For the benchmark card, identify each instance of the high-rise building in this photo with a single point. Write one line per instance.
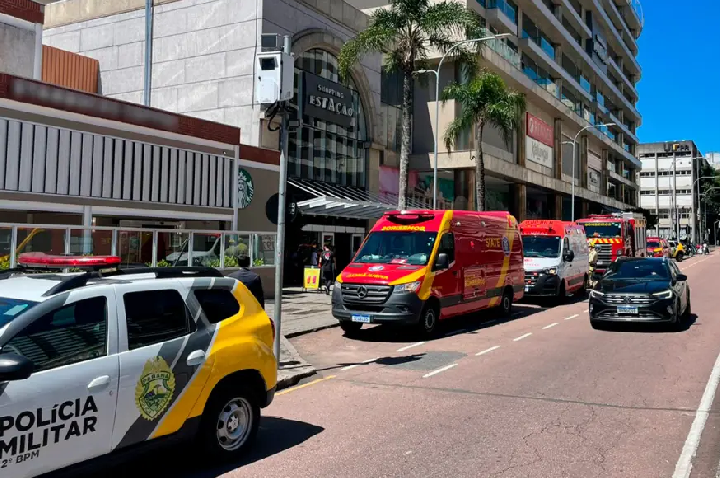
(575, 60)
(669, 187)
(713, 159)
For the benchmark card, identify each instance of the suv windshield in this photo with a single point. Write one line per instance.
(541, 246)
(639, 270)
(412, 248)
(11, 308)
(604, 229)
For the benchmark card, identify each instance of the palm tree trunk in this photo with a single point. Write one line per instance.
(405, 144)
(479, 169)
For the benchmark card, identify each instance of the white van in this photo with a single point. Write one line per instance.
(556, 258)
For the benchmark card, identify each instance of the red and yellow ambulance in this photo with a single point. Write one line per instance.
(419, 267)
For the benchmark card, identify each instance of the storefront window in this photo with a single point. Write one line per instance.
(322, 149)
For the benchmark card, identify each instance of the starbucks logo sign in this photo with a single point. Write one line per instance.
(246, 189)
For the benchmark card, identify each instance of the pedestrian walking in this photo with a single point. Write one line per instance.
(327, 267)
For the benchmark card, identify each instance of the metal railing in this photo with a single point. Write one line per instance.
(140, 247)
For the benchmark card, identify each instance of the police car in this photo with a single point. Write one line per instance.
(100, 361)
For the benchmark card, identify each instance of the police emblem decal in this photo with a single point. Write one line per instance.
(154, 390)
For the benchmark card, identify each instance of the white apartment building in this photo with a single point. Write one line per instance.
(576, 63)
(669, 187)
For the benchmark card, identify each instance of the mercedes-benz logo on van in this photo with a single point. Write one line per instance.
(362, 292)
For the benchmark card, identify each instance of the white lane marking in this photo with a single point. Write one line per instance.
(457, 332)
(361, 363)
(522, 337)
(571, 317)
(696, 263)
(684, 463)
(403, 349)
(586, 310)
(447, 367)
(550, 326)
(487, 350)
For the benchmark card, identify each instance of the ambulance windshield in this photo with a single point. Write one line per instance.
(11, 308)
(410, 248)
(541, 246)
(603, 229)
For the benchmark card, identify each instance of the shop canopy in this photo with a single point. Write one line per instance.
(324, 199)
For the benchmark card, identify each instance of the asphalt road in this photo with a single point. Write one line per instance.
(542, 395)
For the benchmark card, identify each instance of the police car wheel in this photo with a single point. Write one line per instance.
(230, 423)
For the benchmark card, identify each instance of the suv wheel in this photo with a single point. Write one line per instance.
(229, 423)
(688, 309)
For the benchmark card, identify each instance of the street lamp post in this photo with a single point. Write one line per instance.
(437, 102)
(574, 145)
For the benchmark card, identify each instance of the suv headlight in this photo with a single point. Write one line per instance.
(666, 294)
(596, 294)
(409, 287)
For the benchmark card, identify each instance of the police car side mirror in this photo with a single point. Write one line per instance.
(442, 262)
(15, 367)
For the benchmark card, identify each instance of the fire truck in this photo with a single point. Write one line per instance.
(619, 234)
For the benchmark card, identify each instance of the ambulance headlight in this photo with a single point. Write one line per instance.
(551, 272)
(409, 287)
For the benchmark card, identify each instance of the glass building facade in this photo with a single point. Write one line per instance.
(320, 150)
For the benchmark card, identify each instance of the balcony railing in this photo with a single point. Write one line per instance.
(505, 7)
(140, 247)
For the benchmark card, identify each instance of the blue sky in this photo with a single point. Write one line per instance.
(680, 60)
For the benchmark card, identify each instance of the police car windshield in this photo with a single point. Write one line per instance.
(410, 248)
(640, 270)
(11, 308)
(606, 230)
(541, 246)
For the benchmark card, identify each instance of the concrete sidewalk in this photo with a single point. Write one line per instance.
(302, 313)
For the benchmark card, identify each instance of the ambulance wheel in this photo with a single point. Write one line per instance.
(350, 328)
(506, 303)
(229, 423)
(428, 324)
(583, 290)
(561, 292)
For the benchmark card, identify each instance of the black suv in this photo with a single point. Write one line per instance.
(637, 289)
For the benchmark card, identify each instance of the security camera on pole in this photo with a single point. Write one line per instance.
(274, 87)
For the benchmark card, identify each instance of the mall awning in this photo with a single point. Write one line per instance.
(324, 199)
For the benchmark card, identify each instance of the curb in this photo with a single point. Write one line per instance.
(294, 379)
(309, 331)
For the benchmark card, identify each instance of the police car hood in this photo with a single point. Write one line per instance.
(538, 263)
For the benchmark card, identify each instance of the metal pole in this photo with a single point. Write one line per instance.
(280, 239)
(437, 132)
(572, 199)
(148, 51)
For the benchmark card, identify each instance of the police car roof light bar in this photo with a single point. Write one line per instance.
(40, 260)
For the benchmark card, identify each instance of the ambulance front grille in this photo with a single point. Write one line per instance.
(365, 294)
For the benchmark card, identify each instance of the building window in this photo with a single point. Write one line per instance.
(508, 7)
(322, 150)
(538, 75)
(531, 31)
(573, 33)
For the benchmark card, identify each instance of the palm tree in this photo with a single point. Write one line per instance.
(405, 33)
(484, 100)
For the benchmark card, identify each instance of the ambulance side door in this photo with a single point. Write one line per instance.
(63, 413)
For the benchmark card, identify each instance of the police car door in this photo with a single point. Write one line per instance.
(160, 353)
(63, 412)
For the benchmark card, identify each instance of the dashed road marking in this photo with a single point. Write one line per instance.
(403, 349)
(684, 463)
(495, 347)
(314, 382)
(361, 363)
(457, 332)
(442, 369)
(550, 326)
(571, 317)
(586, 310)
(522, 337)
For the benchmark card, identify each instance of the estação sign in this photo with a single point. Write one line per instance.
(327, 101)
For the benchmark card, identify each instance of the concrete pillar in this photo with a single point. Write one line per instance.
(584, 208)
(604, 176)
(87, 233)
(558, 148)
(558, 213)
(582, 166)
(522, 132)
(521, 201)
(37, 61)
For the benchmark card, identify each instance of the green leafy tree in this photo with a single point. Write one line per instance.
(406, 33)
(484, 100)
